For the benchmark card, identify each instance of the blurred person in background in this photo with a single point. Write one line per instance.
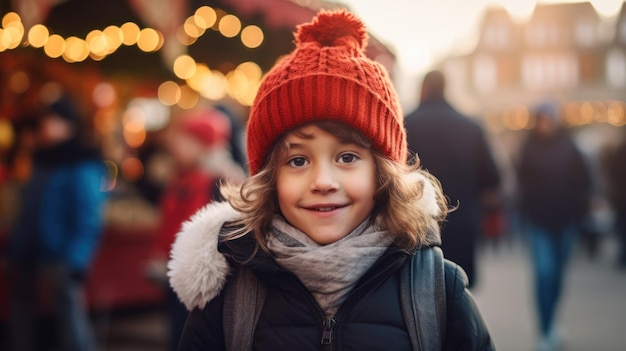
(237, 143)
(615, 169)
(199, 148)
(554, 189)
(454, 149)
(57, 233)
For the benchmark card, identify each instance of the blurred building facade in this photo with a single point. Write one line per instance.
(562, 51)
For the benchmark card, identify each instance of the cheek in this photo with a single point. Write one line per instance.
(284, 190)
(362, 187)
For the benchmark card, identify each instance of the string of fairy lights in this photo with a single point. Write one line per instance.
(200, 81)
(196, 79)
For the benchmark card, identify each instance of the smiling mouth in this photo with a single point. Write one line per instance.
(325, 208)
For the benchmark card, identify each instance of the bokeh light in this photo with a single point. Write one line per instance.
(38, 35)
(205, 17)
(252, 37)
(229, 26)
(130, 33)
(184, 67)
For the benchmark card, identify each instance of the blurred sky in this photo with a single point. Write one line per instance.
(422, 31)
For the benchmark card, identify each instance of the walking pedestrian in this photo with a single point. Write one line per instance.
(554, 190)
(454, 149)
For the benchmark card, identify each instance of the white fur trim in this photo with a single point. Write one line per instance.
(428, 202)
(197, 271)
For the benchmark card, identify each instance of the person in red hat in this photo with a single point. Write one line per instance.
(199, 137)
(332, 243)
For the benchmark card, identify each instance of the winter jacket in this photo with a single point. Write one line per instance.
(369, 319)
(555, 183)
(183, 197)
(62, 216)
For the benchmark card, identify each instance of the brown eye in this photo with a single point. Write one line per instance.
(348, 158)
(298, 162)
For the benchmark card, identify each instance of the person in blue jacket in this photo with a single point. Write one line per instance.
(57, 232)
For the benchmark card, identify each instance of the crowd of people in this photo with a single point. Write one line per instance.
(309, 234)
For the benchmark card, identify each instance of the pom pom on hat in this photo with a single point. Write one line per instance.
(327, 77)
(328, 28)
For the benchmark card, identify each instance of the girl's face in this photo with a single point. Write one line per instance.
(325, 187)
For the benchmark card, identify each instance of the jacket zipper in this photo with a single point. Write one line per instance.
(329, 323)
(327, 335)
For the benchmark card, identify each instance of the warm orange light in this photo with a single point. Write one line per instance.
(132, 169)
(169, 93)
(19, 82)
(76, 50)
(205, 17)
(114, 37)
(54, 46)
(38, 35)
(192, 29)
(188, 98)
(148, 40)
(130, 33)
(184, 67)
(229, 26)
(9, 18)
(252, 36)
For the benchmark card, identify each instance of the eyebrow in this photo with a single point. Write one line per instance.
(292, 146)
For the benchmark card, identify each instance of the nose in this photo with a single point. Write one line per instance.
(323, 179)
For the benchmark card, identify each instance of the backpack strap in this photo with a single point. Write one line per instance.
(243, 302)
(423, 299)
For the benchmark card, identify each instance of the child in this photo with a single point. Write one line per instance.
(199, 135)
(328, 220)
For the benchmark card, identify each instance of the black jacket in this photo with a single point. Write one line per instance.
(454, 149)
(555, 183)
(369, 319)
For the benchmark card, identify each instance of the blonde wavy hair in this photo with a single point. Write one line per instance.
(395, 208)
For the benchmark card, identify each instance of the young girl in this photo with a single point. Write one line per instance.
(327, 221)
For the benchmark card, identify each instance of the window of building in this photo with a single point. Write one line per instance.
(485, 74)
(550, 71)
(536, 35)
(532, 72)
(497, 35)
(616, 68)
(585, 34)
(554, 35)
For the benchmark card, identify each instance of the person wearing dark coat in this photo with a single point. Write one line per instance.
(57, 232)
(555, 189)
(454, 149)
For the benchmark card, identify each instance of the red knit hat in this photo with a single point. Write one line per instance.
(211, 127)
(327, 77)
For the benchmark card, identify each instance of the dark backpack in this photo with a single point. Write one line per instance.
(422, 294)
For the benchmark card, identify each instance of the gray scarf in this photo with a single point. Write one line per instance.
(328, 271)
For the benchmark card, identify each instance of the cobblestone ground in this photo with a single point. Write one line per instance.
(593, 309)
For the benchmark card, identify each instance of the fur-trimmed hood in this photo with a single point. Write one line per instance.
(198, 271)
